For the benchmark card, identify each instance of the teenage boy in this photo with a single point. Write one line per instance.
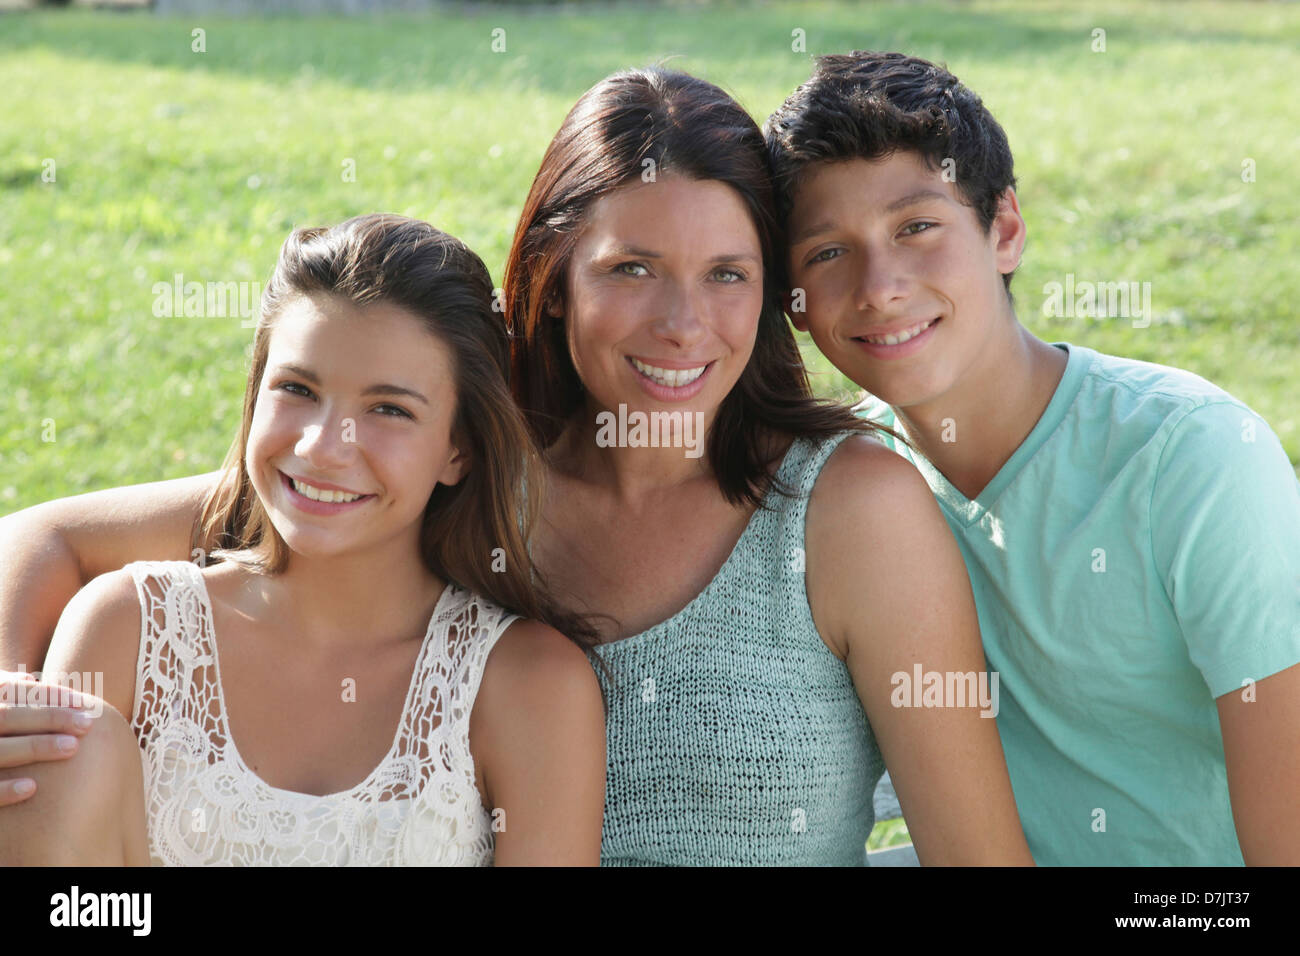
(1132, 532)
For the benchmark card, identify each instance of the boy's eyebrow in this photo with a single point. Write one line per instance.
(381, 389)
(911, 199)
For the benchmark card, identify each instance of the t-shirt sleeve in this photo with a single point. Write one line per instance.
(1225, 535)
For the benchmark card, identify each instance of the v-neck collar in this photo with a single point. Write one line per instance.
(968, 510)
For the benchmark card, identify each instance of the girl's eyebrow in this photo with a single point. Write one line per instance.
(380, 389)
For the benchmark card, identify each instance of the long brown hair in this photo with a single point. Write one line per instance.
(473, 533)
(690, 128)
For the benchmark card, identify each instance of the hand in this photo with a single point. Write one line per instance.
(38, 722)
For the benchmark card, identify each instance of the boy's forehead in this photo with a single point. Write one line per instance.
(881, 185)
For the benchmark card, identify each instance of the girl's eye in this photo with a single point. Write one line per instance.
(826, 255)
(915, 228)
(623, 266)
(294, 388)
(394, 411)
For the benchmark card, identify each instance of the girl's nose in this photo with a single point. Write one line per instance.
(327, 444)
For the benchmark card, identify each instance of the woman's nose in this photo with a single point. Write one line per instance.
(681, 317)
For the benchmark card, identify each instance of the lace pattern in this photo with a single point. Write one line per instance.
(419, 806)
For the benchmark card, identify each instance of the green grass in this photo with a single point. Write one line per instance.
(170, 161)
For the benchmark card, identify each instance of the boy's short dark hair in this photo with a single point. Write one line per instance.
(867, 105)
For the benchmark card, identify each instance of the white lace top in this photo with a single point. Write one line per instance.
(420, 806)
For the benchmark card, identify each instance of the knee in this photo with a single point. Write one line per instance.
(75, 817)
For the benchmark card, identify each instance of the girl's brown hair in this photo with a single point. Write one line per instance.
(691, 128)
(474, 533)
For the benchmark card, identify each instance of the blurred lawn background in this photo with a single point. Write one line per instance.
(172, 161)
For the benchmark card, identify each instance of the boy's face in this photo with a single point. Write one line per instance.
(888, 248)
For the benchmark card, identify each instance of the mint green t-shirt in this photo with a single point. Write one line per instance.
(1135, 558)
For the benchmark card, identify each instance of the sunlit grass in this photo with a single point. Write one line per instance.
(169, 161)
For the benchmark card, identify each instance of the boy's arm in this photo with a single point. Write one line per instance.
(1261, 743)
(1225, 527)
(49, 551)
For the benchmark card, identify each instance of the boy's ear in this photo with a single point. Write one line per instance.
(1008, 232)
(798, 318)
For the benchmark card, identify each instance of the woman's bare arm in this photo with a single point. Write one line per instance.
(48, 552)
(889, 590)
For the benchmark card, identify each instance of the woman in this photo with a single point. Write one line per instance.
(758, 598)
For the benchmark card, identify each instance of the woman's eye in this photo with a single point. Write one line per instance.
(913, 228)
(825, 255)
(622, 267)
(730, 276)
(394, 411)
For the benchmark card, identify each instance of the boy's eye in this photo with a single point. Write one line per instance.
(825, 255)
(914, 228)
(622, 267)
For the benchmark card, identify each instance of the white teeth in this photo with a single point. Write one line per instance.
(673, 378)
(900, 337)
(321, 494)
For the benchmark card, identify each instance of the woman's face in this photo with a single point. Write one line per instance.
(355, 407)
(663, 295)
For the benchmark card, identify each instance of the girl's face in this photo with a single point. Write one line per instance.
(664, 291)
(352, 428)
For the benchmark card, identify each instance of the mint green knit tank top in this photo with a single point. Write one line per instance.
(734, 736)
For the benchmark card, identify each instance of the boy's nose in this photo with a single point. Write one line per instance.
(882, 285)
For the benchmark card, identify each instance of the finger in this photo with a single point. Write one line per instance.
(21, 751)
(18, 721)
(32, 693)
(16, 791)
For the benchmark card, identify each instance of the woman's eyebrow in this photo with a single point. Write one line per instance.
(625, 250)
(383, 388)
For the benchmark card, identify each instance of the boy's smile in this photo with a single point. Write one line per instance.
(902, 289)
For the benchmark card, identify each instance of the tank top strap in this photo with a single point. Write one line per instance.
(175, 669)
(781, 554)
(450, 679)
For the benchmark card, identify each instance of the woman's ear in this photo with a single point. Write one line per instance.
(553, 306)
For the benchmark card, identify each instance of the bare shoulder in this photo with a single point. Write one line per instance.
(865, 481)
(99, 633)
(874, 533)
(538, 717)
(533, 664)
